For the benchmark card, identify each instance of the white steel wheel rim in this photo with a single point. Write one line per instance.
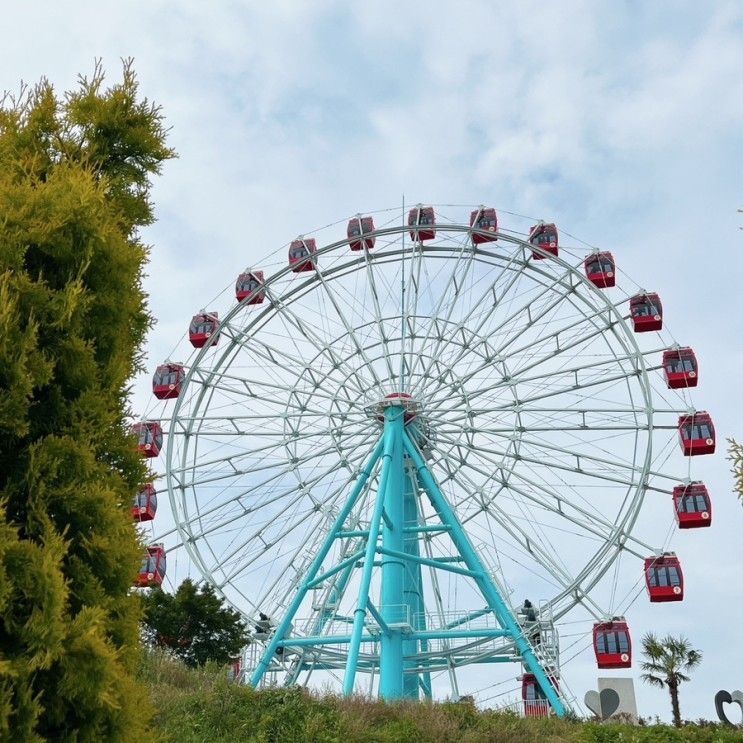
(343, 398)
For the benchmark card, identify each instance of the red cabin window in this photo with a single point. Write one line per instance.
(249, 287)
(535, 700)
(204, 329)
(680, 368)
(484, 219)
(696, 434)
(152, 570)
(166, 381)
(647, 312)
(149, 438)
(612, 644)
(357, 227)
(144, 505)
(301, 255)
(544, 236)
(423, 219)
(664, 578)
(601, 270)
(693, 505)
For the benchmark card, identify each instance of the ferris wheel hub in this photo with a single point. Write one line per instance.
(396, 399)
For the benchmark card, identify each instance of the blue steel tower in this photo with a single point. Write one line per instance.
(390, 544)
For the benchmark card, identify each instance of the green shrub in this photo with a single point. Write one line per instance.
(202, 706)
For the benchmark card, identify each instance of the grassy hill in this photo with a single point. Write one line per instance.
(202, 706)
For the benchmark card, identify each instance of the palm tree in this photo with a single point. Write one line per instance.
(667, 661)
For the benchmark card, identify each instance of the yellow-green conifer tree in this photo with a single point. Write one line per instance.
(75, 177)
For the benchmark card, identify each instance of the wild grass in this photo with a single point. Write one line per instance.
(203, 706)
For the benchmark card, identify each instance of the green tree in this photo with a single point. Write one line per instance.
(735, 455)
(195, 624)
(74, 190)
(668, 661)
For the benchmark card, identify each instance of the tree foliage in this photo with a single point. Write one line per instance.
(195, 624)
(667, 663)
(735, 455)
(74, 190)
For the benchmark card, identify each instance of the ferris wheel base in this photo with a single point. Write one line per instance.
(404, 659)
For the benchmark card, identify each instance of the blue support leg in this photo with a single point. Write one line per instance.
(393, 568)
(412, 587)
(283, 627)
(485, 584)
(389, 440)
(325, 616)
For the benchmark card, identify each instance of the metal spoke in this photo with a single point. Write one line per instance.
(272, 385)
(484, 299)
(451, 281)
(378, 311)
(450, 305)
(347, 326)
(580, 456)
(552, 336)
(312, 337)
(528, 545)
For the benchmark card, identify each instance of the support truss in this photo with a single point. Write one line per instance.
(404, 651)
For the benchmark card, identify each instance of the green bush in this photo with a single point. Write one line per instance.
(202, 706)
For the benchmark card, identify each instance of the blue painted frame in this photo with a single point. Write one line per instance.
(402, 472)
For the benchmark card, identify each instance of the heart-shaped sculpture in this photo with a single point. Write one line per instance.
(724, 697)
(603, 704)
(593, 702)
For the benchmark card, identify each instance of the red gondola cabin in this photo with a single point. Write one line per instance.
(166, 381)
(357, 227)
(696, 434)
(680, 368)
(301, 254)
(664, 578)
(484, 219)
(249, 287)
(647, 312)
(601, 270)
(544, 236)
(692, 505)
(535, 700)
(144, 506)
(204, 329)
(149, 438)
(612, 644)
(233, 672)
(152, 569)
(423, 220)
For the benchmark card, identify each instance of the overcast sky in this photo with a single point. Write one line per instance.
(621, 121)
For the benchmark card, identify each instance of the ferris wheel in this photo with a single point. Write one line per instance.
(389, 440)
